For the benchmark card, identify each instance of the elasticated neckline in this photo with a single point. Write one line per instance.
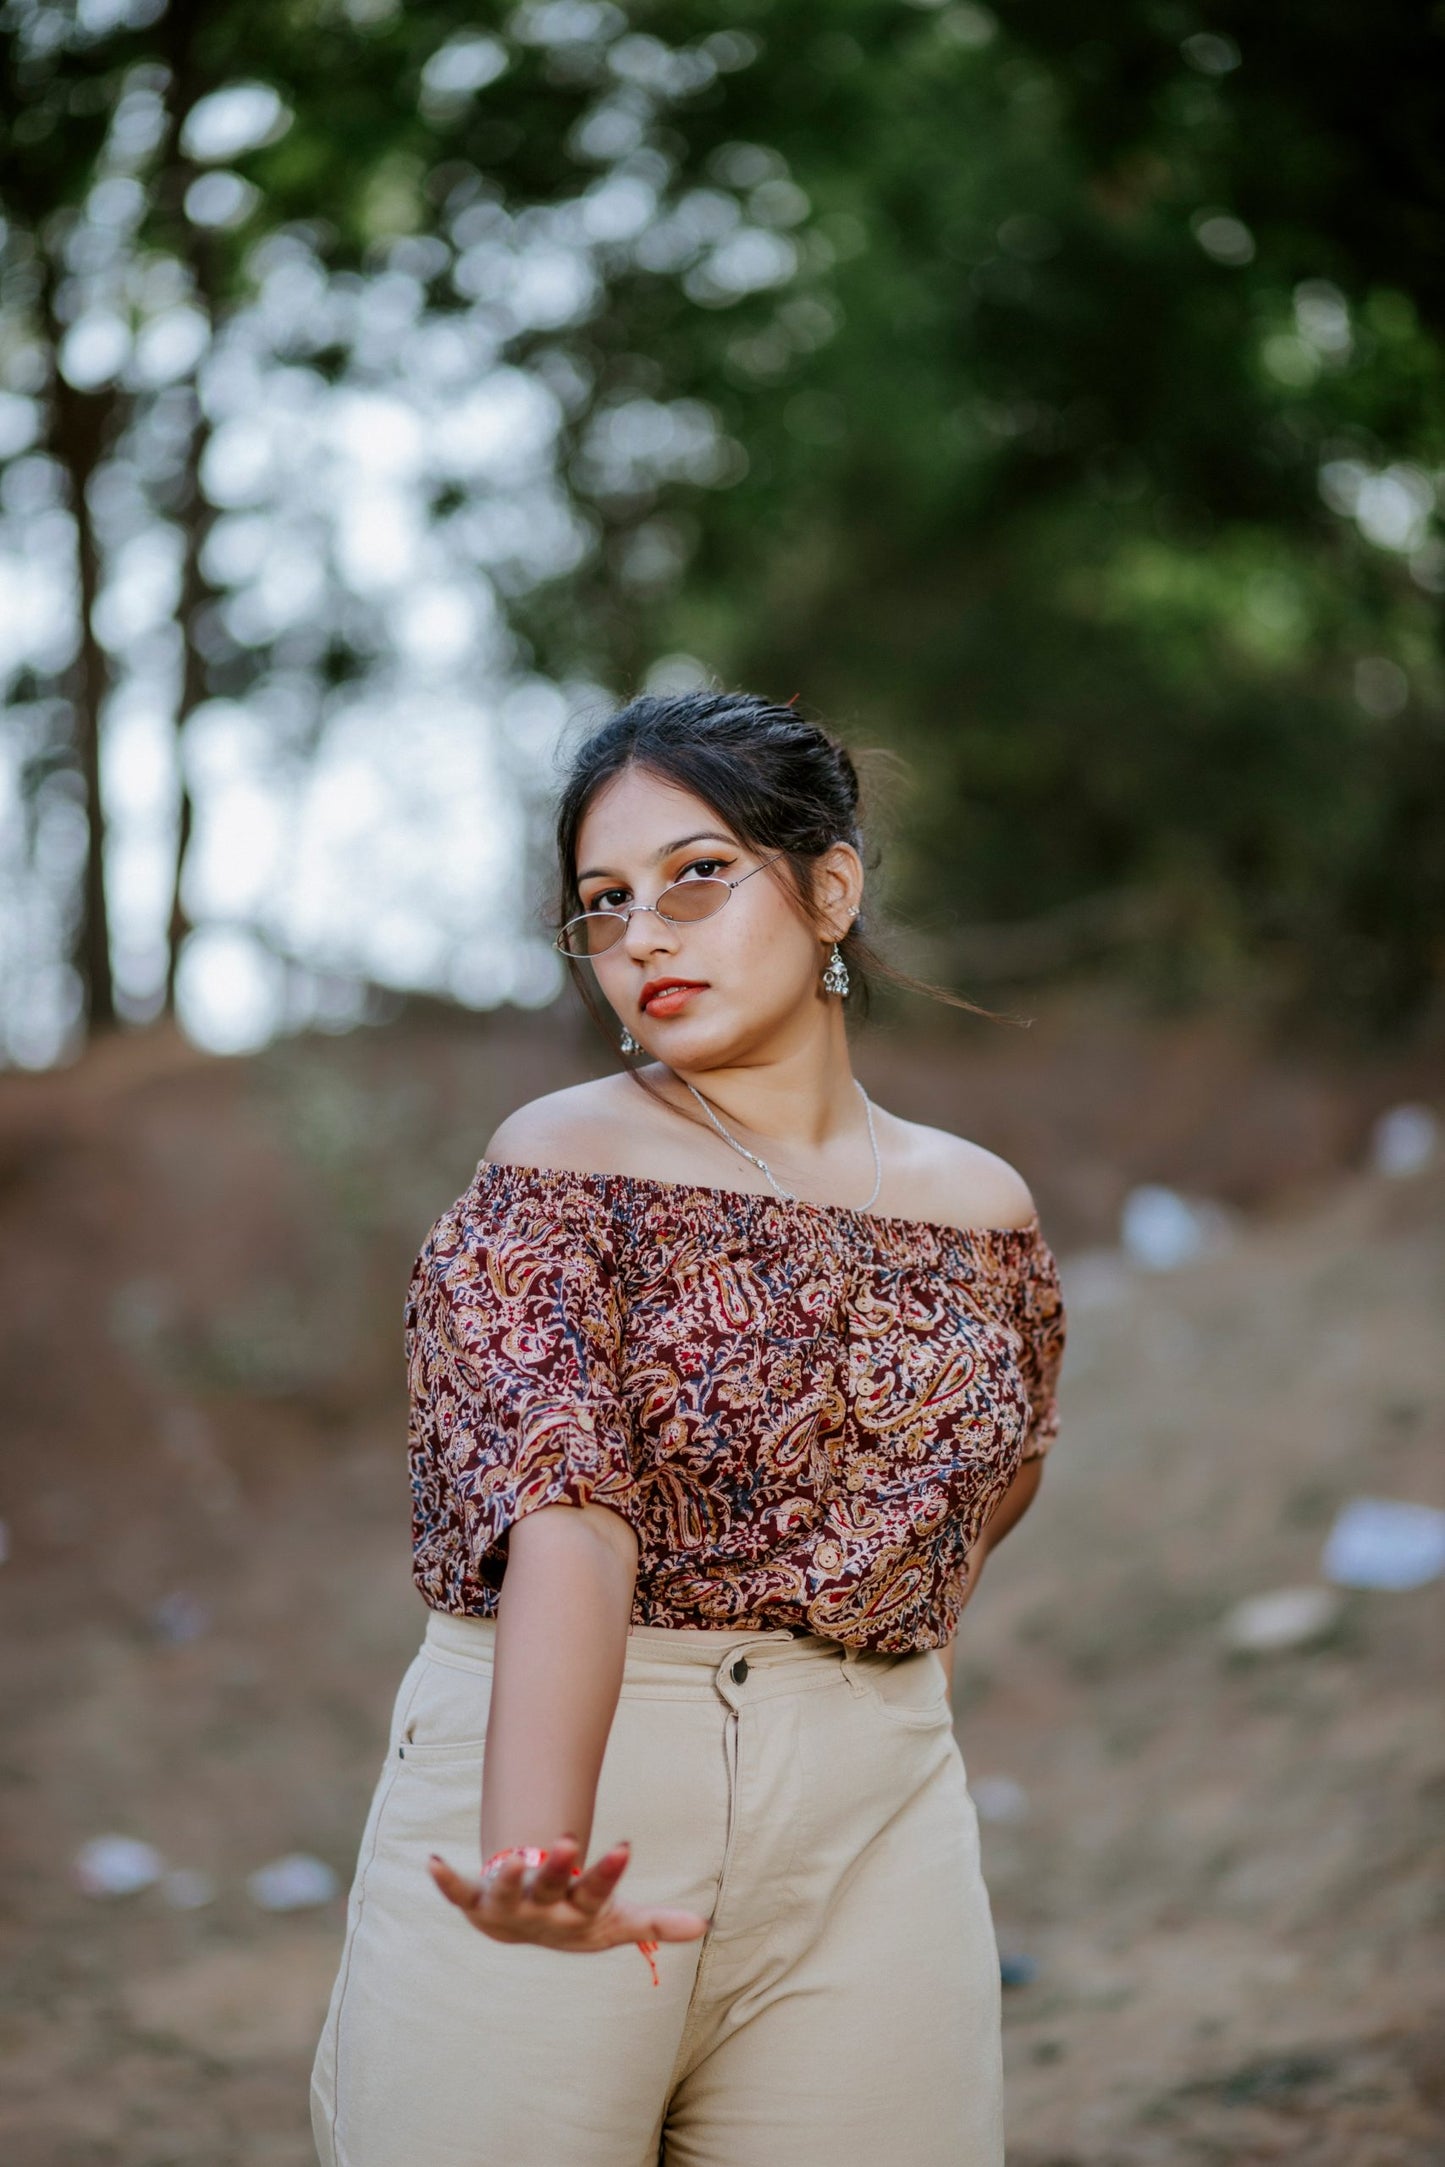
(748, 1212)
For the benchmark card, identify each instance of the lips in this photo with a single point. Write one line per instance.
(668, 996)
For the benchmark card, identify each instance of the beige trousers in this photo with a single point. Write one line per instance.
(841, 2011)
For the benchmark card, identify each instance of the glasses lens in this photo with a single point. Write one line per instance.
(689, 900)
(592, 934)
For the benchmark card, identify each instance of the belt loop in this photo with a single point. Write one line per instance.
(853, 1670)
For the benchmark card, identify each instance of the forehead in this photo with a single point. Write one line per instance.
(637, 815)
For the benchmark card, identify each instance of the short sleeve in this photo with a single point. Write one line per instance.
(1039, 1318)
(513, 1338)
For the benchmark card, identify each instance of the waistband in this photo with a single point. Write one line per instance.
(665, 1655)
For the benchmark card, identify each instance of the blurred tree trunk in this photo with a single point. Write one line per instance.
(176, 173)
(196, 517)
(82, 427)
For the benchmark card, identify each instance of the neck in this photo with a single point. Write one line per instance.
(801, 1095)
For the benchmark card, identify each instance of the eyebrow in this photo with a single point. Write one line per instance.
(668, 850)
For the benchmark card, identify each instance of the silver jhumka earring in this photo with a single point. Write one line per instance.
(835, 977)
(627, 1043)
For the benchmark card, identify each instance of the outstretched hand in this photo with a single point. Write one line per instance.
(546, 1905)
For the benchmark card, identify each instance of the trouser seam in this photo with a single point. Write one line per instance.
(732, 1732)
(364, 1868)
(692, 2022)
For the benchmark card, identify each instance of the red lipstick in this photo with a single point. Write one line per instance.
(668, 996)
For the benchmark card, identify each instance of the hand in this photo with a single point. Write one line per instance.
(545, 1905)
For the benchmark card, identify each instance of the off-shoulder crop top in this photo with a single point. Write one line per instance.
(806, 1412)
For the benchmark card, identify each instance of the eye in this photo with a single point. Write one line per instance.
(609, 899)
(705, 868)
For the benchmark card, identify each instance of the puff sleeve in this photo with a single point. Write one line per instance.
(513, 1345)
(1040, 1323)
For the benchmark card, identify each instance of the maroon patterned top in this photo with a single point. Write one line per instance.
(806, 1412)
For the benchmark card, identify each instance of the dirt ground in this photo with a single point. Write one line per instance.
(1225, 1871)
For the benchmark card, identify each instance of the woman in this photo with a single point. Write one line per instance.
(723, 1382)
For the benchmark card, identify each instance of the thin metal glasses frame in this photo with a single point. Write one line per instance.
(623, 917)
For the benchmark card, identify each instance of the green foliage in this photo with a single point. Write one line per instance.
(1096, 310)
(1076, 371)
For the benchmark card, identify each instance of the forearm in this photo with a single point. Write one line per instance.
(1006, 1514)
(1014, 1503)
(561, 1642)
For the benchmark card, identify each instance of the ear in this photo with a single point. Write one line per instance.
(837, 890)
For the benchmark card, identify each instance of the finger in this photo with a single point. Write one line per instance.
(504, 1884)
(669, 1926)
(465, 1894)
(601, 1878)
(553, 1878)
(627, 1922)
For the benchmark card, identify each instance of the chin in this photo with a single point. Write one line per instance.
(698, 1045)
(686, 1045)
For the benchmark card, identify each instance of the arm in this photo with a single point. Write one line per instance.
(561, 1636)
(1041, 1328)
(557, 1670)
(1006, 1514)
(522, 1441)
(1013, 1504)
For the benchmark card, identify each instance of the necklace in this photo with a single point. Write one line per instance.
(790, 1196)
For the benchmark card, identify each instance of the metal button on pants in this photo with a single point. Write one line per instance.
(842, 2010)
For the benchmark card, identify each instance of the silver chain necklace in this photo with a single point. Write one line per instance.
(790, 1196)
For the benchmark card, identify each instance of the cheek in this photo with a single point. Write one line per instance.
(773, 956)
(615, 976)
(758, 958)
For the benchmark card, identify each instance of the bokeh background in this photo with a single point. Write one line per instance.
(1051, 397)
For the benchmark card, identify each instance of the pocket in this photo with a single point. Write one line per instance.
(446, 1718)
(911, 1691)
(429, 1752)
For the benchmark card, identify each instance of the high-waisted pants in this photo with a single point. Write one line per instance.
(841, 2011)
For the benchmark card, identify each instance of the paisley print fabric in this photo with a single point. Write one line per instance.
(805, 1412)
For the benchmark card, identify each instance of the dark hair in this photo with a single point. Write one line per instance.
(783, 785)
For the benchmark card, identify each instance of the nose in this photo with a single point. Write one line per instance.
(648, 934)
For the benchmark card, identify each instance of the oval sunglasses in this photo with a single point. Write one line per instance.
(593, 932)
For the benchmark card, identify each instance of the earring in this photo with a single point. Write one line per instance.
(835, 977)
(627, 1043)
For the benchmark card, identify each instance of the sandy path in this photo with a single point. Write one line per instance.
(1224, 1873)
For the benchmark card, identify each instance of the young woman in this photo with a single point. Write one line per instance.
(723, 1382)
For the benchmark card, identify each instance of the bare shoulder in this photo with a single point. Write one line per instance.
(577, 1130)
(945, 1177)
